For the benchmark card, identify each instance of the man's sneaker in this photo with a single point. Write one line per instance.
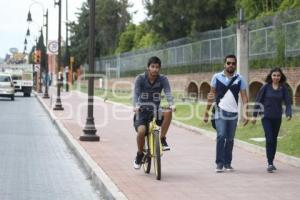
(137, 163)
(274, 168)
(228, 168)
(165, 146)
(219, 168)
(270, 168)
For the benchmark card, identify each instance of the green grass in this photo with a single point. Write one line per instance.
(289, 135)
(191, 113)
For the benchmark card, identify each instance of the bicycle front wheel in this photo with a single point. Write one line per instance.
(156, 157)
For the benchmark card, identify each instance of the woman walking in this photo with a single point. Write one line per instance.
(269, 104)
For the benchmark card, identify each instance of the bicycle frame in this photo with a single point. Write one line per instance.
(153, 129)
(153, 149)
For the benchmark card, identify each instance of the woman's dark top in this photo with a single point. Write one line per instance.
(272, 99)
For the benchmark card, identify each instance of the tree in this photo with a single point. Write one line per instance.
(111, 20)
(79, 35)
(137, 37)
(285, 4)
(172, 19)
(30, 56)
(126, 40)
(258, 8)
(169, 18)
(145, 37)
(41, 46)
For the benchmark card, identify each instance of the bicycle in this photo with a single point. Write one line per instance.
(153, 149)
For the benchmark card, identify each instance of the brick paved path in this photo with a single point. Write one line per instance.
(187, 170)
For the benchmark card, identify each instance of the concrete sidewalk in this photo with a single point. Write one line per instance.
(187, 170)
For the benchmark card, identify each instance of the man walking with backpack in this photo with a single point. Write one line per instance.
(225, 89)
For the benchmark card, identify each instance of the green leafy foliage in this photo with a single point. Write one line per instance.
(111, 20)
(173, 19)
(137, 37)
(30, 56)
(126, 41)
(167, 20)
(287, 4)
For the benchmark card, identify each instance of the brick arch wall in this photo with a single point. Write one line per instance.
(297, 95)
(204, 90)
(290, 91)
(192, 89)
(254, 87)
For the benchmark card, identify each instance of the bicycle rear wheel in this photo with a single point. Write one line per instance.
(156, 157)
(147, 158)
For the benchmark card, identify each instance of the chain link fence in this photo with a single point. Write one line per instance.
(273, 40)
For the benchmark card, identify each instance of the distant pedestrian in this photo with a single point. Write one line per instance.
(225, 89)
(60, 80)
(50, 78)
(269, 104)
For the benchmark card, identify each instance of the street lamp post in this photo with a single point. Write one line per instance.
(25, 48)
(40, 83)
(28, 32)
(29, 19)
(58, 104)
(90, 129)
(67, 50)
(46, 95)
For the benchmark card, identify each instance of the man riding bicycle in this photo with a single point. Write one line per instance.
(146, 100)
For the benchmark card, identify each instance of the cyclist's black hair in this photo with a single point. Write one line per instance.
(230, 56)
(154, 60)
(276, 69)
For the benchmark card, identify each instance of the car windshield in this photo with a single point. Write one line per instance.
(4, 78)
(16, 77)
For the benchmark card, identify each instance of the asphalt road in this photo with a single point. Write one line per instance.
(35, 163)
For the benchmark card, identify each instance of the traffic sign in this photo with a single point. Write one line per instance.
(52, 47)
(36, 67)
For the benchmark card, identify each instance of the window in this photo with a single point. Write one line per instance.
(4, 78)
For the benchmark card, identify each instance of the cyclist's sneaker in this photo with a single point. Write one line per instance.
(219, 168)
(228, 168)
(165, 146)
(137, 163)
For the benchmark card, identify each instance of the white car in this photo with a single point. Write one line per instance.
(7, 88)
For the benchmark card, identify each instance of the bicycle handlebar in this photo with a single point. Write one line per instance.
(151, 109)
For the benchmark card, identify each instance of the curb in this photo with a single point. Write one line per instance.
(108, 190)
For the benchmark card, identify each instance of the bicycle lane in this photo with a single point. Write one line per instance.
(187, 170)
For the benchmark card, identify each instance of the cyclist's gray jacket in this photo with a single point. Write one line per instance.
(146, 93)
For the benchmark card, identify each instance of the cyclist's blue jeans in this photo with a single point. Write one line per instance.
(225, 125)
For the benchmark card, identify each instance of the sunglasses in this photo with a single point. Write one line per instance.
(231, 63)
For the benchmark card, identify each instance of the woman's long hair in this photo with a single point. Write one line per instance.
(269, 76)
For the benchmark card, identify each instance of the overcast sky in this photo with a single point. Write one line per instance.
(13, 24)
